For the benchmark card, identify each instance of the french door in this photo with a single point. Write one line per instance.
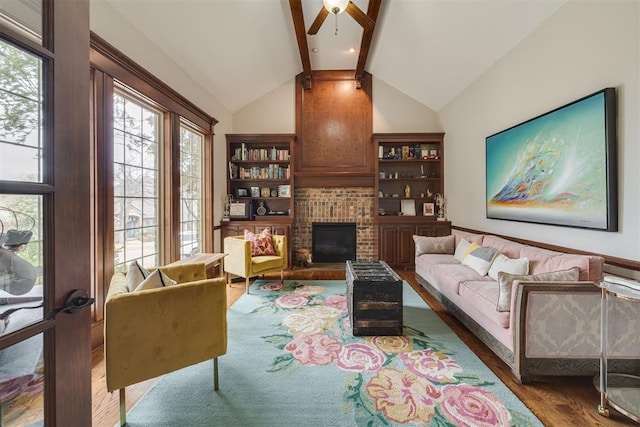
(45, 213)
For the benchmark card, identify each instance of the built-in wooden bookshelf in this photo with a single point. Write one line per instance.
(409, 174)
(260, 174)
(260, 184)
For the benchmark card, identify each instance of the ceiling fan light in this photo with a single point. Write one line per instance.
(335, 6)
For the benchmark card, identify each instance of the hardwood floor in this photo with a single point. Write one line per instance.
(556, 401)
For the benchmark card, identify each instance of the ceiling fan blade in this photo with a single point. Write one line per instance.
(317, 23)
(361, 17)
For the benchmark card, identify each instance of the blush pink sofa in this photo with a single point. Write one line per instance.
(552, 328)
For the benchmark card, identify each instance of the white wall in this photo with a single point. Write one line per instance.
(393, 111)
(272, 113)
(107, 23)
(584, 47)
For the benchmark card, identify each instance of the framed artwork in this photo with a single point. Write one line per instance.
(242, 192)
(408, 207)
(255, 191)
(238, 210)
(265, 192)
(559, 168)
(428, 209)
(284, 191)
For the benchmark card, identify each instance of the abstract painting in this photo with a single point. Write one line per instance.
(558, 168)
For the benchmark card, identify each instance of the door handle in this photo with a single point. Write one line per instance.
(77, 300)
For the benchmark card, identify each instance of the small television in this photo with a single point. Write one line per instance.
(558, 168)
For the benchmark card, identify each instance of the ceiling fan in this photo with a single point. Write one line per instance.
(339, 6)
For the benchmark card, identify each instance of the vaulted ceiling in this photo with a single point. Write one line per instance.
(240, 50)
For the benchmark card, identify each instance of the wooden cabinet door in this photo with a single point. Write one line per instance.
(387, 236)
(440, 228)
(406, 246)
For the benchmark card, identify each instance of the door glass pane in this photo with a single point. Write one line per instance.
(20, 115)
(24, 15)
(136, 182)
(22, 383)
(191, 158)
(21, 255)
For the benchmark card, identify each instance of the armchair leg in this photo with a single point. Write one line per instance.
(282, 276)
(123, 408)
(246, 285)
(215, 373)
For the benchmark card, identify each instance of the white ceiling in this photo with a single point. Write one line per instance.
(431, 50)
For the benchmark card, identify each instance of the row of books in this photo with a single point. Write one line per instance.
(273, 154)
(272, 171)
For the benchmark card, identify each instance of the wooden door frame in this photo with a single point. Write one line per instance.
(69, 342)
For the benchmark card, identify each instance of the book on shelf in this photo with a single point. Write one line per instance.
(242, 153)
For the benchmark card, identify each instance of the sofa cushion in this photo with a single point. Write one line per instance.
(155, 280)
(261, 244)
(503, 263)
(434, 245)
(504, 246)
(469, 237)
(451, 275)
(480, 258)
(484, 296)
(544, 260)
(462, 249)
(505, 282)
(135, 275)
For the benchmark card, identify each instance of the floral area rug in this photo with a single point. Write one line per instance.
(292, 360)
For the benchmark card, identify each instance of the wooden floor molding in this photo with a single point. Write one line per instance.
(556, 401)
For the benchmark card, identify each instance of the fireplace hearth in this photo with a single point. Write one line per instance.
(333, 241)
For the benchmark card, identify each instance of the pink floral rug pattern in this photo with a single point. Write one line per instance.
(388, 380)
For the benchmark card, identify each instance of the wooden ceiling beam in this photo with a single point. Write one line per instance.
(301, 37)
(367, 36)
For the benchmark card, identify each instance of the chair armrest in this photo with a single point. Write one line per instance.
(238, 261)
(280, 246)
(152, 332)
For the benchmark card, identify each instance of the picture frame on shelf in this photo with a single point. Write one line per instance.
(255, 191)
(265, 192)
(238, 210)
(242, 192)
(284, 190)
(408, 207)
(428, 209)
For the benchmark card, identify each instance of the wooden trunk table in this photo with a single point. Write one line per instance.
(374, 297)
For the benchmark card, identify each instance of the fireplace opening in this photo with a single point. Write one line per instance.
(333, 241)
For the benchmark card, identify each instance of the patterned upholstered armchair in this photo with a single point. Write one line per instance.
(148, 333)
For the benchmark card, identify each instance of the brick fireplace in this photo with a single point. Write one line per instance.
(349, 204)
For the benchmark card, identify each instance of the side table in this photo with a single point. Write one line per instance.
(210, 260)
(618, 390)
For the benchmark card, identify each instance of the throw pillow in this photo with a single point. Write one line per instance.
(461, 250)
(434, 245)
(157, 279)
(135, 275)
(480, 258)
(261, 244)
(505, 282)
(503, 263)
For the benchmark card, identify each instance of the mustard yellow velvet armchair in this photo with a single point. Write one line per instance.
(240, 262)
(153, 332)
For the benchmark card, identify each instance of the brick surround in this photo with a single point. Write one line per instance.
(350, 204)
